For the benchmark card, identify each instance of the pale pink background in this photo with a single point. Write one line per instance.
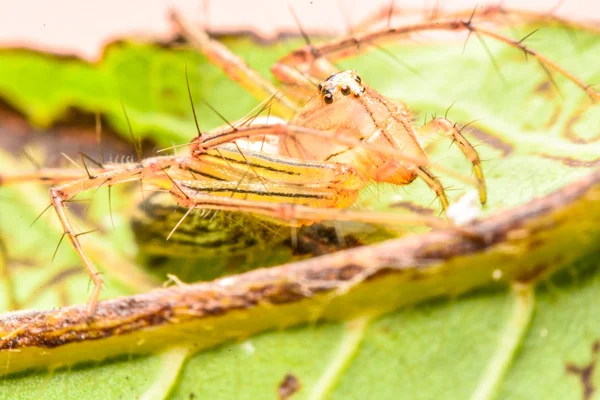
(82, 27)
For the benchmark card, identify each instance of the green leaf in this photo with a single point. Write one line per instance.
(491, 343)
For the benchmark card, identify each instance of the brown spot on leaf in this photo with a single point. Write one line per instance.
(544, 88)
(572, 162)
(412, 207)
(319, 239)
(55, 281)
(492, 140)
(288, 386)
(586, 372)
(534, 274)
(571, 135)
(553, 118)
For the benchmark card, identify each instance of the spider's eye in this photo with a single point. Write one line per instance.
(320, 87)
(345, 89)
(359, 93)
(357, 79)
(328, 98)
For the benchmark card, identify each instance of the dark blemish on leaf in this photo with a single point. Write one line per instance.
(571, 135)
(554, 117)
(62, 275)
(168, 93)
(534, 274)
(319, 239)
(572, 162)
(288, 387)
(586, 372)
(491, 140)
(545, 88)
(417, 276)
(534, 243)
(413, 207)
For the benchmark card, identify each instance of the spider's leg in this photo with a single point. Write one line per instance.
(228, 165)
(510, 15)
(310, 59)
(53, 175)
(420, 166)
(434, 183)
(323, 194)
(206, 142)
(299, 71)
(293, 213)
(290, 190)
(60, 196)
(235, 67)
(484, 13)
(448, 128)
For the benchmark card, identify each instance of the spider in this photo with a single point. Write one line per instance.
(311, 168)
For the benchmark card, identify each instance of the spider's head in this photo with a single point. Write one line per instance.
(345, 83)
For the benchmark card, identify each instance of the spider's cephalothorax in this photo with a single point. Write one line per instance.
(344, 104)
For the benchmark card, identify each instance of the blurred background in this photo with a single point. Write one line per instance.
(83, 28)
